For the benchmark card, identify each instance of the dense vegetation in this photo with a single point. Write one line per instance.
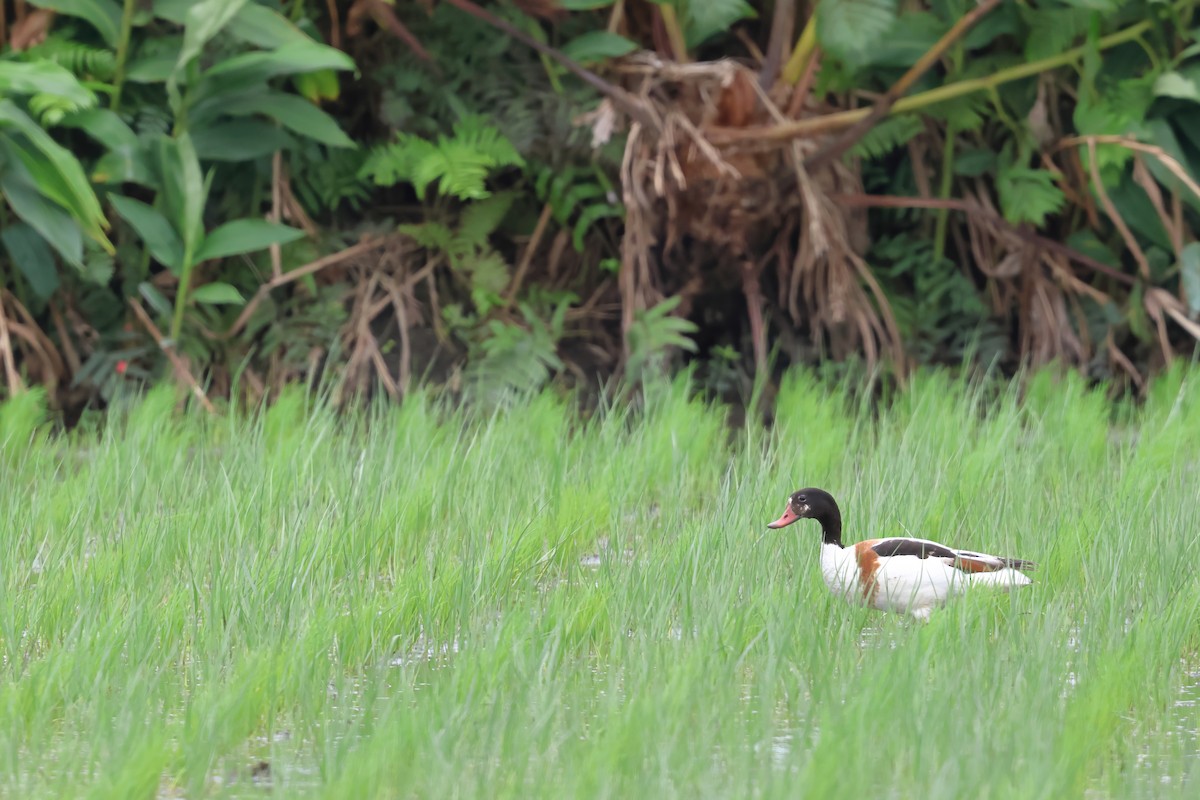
(427, 602)
(245, 194)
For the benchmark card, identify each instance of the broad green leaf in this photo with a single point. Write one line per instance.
(239, 140)
(596, 46)
(850, 29)
(124, 166)
(1175, 84)
(30, 253)
(183, 192)
(584, 5)
(104, 15)
(1189, 276)
(245, 236)
(155, 231)
(58, 174)
(217, 293)
(706, 18)
(1139, 213)
(56, 226)
(173, 10)
(44, 77)
(105, 126)
(292, 112)
(126, 159)
(266, 28)
(289, 59)
(908, 39)
(151, 69)
(204, 21)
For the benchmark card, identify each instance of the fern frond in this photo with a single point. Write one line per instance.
(654, 331)
(481, 218)
(459, 165)
(1028, 195)
(887, 136)
(82, 60)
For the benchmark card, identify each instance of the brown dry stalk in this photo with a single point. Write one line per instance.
(1111, 210)
(276, 209)
(335, 26)
(883, 201)
(15, 385)
(834, 149)
(1163, 156)
(535, 239)
(405, 345)
(300, 272)
(181, 370)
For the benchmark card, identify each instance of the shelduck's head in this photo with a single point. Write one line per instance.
(809, 504)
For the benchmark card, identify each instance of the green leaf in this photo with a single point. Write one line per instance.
(596, 46)
(292, 112)
(908, 39)
(886, 136)
(584, 5)
(217, 293)
(706, 18)
(172, 10)
(183, 194)
(57, 173)
(245, 236)
(1028, 195)
(239, 140)
(29, 252)
(44, 77)
(204, 21)
(1178, 85)
(590, 216)
(155, 298)
(58, 228)
(105, 126)
(266, 28)
(295, 58)
(151, 69)
(1189, 276)
(974, 163)
(850, 29)
(481, 218)
(103, 15)
(155, 231)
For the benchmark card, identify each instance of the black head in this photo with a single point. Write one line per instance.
(815, 504)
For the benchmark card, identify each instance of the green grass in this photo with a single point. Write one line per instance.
(418, 602)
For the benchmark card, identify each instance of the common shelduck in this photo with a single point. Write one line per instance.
(898, 574)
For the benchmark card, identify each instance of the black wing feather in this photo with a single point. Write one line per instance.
(912, 547)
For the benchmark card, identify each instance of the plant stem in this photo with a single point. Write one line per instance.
(802, 52)
(674, 32)
(844, 119)
(122, 52)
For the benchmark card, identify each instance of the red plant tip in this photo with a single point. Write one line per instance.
(122, 365)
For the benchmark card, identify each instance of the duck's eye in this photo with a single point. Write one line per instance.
(801, 499)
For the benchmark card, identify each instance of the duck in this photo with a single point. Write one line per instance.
(898, 574)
